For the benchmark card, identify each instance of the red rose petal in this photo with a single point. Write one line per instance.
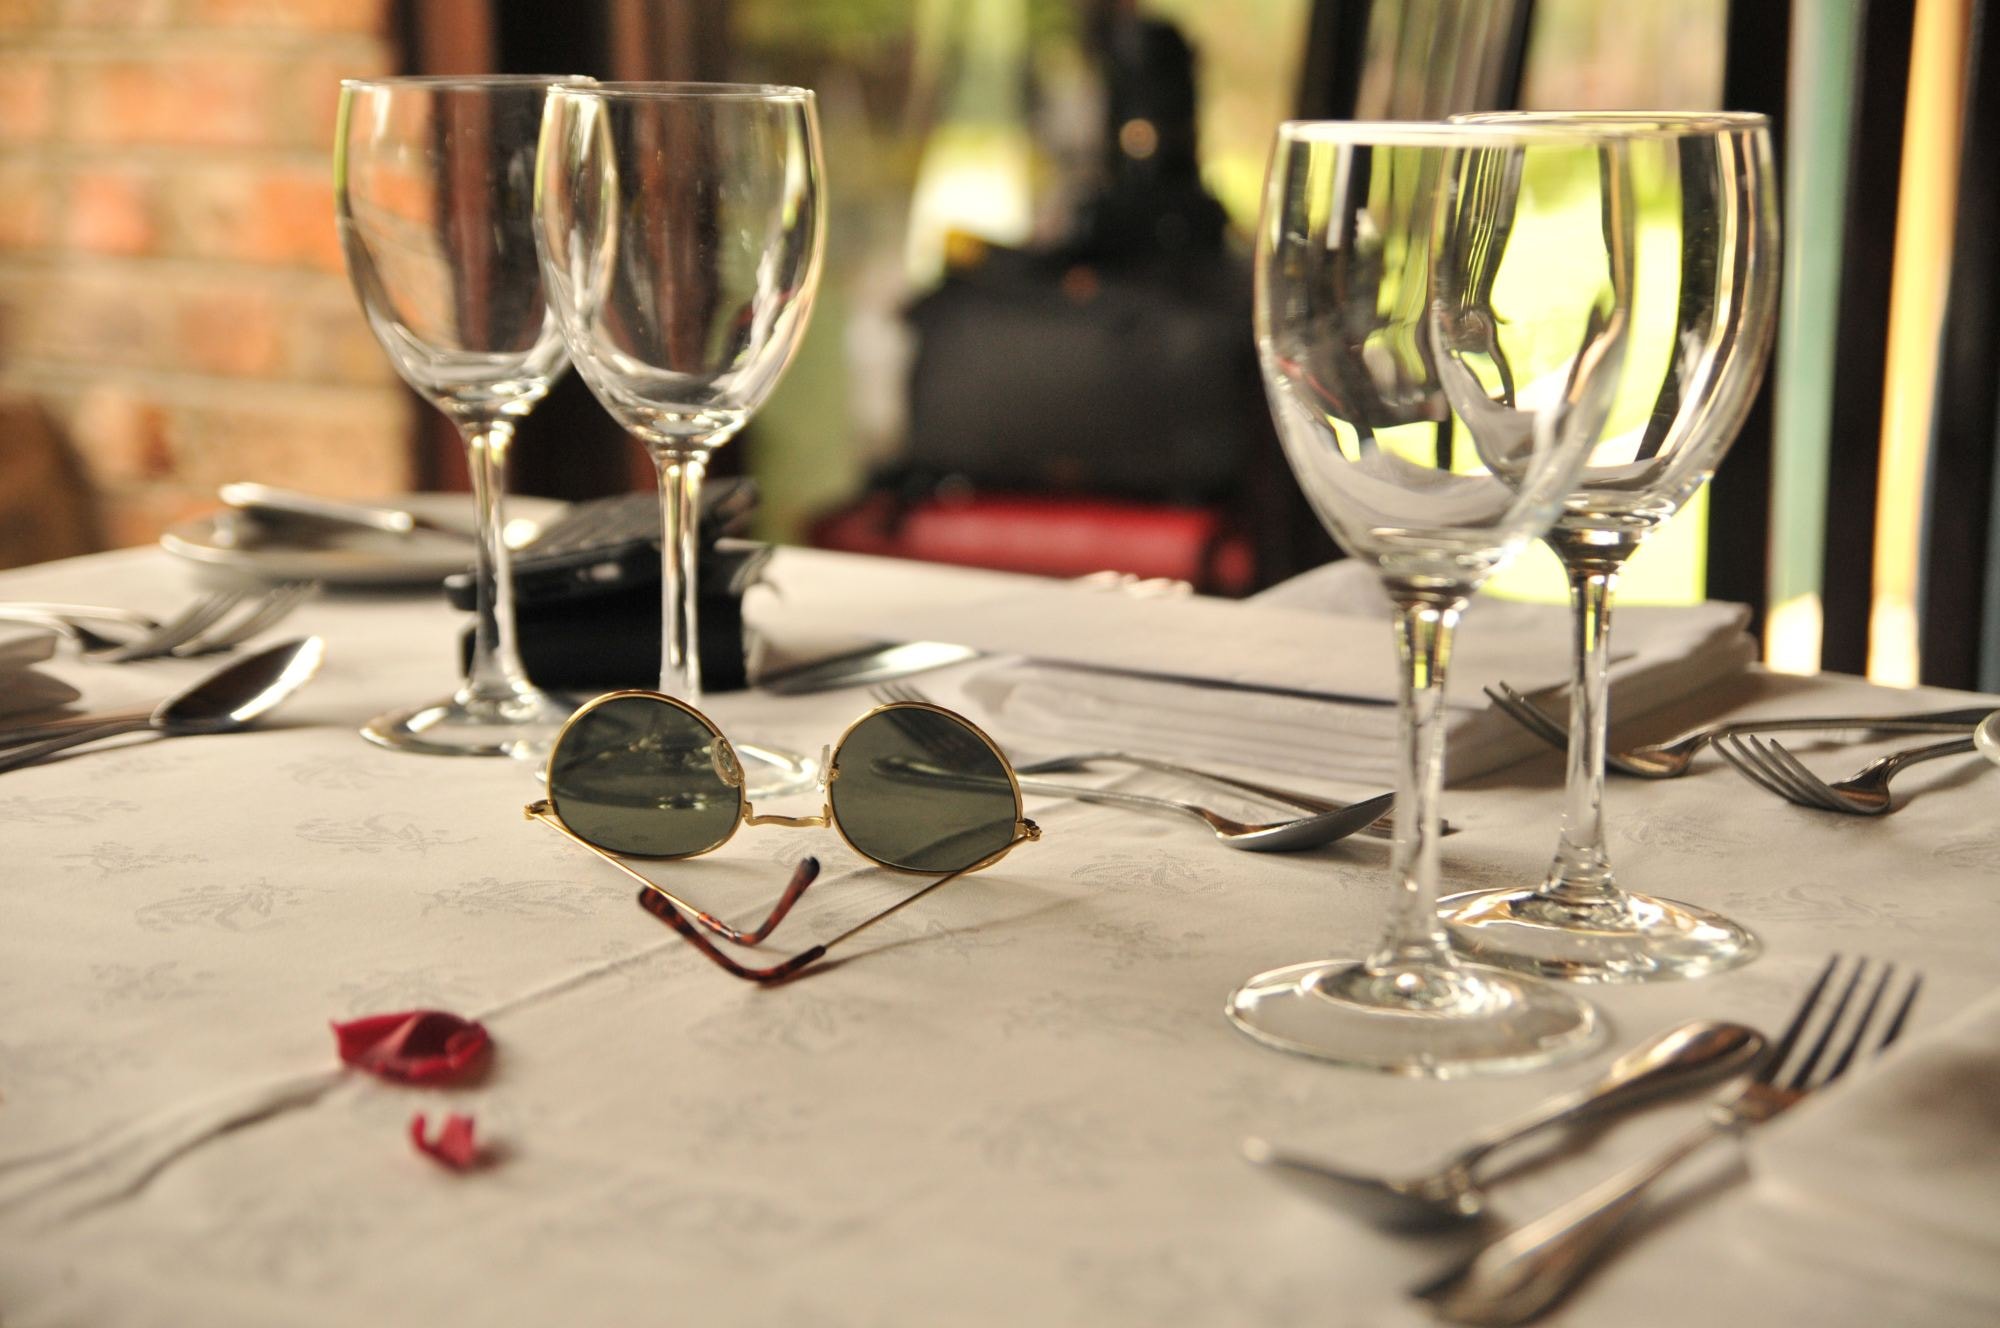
(415, 1047)
(453, 1147)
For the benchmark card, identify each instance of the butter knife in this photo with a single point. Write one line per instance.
(265, 502)
(875, 664)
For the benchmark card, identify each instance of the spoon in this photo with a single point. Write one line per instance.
(1271, 837)
(1987, 737)
(233, 697)
(1692, 1053)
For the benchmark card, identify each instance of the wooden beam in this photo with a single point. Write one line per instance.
(1960, 586)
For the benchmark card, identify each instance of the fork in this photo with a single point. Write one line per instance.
(1672, 758)
(274, 607)
(159, 639)
(195, 630)
(1520, 1274)
(1381, 828)
(1864, 793)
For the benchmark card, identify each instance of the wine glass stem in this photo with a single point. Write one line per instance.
(681, 474)
(1582, 870)
(494, 672)
(1415, 939)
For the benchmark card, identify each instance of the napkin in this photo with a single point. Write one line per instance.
(1325, 709)
(24, 689)
(1892, 1176)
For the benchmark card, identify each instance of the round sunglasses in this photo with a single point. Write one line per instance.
(909, 786)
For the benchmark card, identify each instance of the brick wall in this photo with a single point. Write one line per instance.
(171, 287)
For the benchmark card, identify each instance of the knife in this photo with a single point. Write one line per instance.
(265, 502)
(875, 664)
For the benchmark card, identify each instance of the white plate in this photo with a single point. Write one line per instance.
(340, 557)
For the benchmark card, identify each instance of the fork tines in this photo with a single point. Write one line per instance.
(264, 613)
(954, 744)
(1755, 764)
(1824, 1031)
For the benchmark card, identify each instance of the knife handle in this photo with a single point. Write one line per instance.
(34, 752)
(262, 499)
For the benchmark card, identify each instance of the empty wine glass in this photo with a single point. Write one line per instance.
(681, 226)
(433, 190)
(1707, 302)
(1440, 317)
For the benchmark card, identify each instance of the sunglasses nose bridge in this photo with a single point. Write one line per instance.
(819, 822)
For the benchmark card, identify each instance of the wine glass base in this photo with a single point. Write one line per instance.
(1443, 1024)
(521, 727)
(773, 772)
(1633, 938)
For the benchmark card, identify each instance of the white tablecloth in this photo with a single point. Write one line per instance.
(1017, 1102)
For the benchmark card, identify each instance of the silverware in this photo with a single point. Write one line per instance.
(1520, 1274)
(1666, 760)
(1381, 828)
(137, 621)
(1863, 793)
(233, 697)
(875, 664)
(203, 627)
(883, 662)
(1693, 1053)
(1268, 837)
(267, 503)
(151, 641)
(265, 613)
(1987, 737)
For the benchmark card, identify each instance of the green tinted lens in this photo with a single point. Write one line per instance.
(638, 775)
(921, 790)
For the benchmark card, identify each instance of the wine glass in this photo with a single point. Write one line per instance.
(1440, 315)
(681, 227)
(433, 190)
(1707, 234)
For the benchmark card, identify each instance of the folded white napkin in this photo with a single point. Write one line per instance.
(24, 689)
(1267, 651)
(1893, 1176)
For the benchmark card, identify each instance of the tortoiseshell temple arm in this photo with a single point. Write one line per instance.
(805, 875)
(808, 870)
(657, 904)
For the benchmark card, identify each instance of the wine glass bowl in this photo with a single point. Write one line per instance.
(681, 228)
(433, 197)
(416, 238)
(683, 225)
(1707, 261)
(1440, 317)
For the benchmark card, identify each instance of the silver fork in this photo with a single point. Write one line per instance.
(201, 627)
(273, 608)
(1382, 828)
(1520, 1274)
(1672, 758)
(1864, 793)
(159, 639)
(1295, 833)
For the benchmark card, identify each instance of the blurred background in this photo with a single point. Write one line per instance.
(1032, 346)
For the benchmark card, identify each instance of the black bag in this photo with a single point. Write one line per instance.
(1051, 374)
